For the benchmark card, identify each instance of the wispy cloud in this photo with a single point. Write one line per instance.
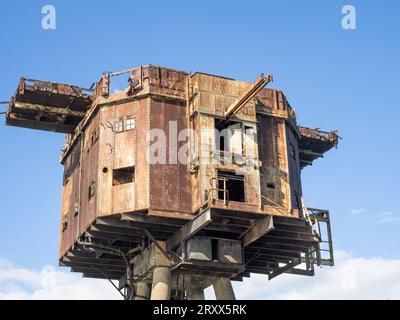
(388, 216)
(357, 211)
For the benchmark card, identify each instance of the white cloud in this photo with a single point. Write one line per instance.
(22, 283)
(388, 216)
(357, 211)
(351, 278)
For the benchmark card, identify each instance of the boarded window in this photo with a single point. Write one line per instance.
(230, 186)
(130, 123)
(123, 175)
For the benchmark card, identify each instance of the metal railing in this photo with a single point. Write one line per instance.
(317, 218)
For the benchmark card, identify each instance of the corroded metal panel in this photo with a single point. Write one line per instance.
(142, 167)
(106, 161)
(294, 170)
(124, 142)
(274, 181)
(218, 93)
(122, 150)
(170, 183)
(89, 181)
(123, 197)
(70, 208)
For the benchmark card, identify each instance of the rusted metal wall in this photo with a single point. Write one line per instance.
(106, 161)
(70, 198)
(89, 158)
(274, 180)
(214, 95)
(121, 150)
(80, 171)
(195, 175)
(142, 167)
(124, 156)
(294, 170)
(170, 183)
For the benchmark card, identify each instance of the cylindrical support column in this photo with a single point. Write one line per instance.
(142, 291)
(223, 289)
(195, 293)
(161, 288)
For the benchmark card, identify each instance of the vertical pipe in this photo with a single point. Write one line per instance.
(223, 289)
(161, 288)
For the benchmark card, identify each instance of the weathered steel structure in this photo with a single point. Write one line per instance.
(169, 229)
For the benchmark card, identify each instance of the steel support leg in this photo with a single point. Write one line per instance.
(161, 288)
(223, 289)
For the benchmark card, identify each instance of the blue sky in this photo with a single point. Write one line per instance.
(337, 79)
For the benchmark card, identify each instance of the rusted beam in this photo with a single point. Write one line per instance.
(311, 153)
(284, 269)
(188, 230)
(301, 272)
(246, 96)
(12, 120)
(259, 229)
(21, 106)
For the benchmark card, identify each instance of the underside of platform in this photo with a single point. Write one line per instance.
(109, 242)
(48, 106)
(314, 143)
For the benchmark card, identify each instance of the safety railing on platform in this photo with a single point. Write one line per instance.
(321, 225)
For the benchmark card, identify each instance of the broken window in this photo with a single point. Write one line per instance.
(130, 123)
(229, 136)
(95, 135)
(92, 189)
(230, 186)
(119, 125)
(76, 208)
(123, 175)
(64, 222)
(270, 185)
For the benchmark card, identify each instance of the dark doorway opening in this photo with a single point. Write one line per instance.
(230, 186)
(224, 131)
